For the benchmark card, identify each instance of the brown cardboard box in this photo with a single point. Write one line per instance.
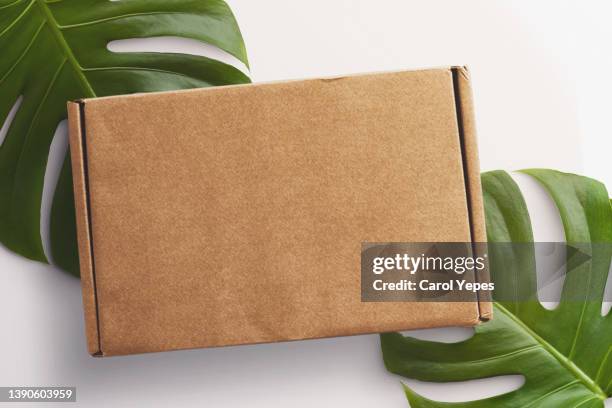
(235, 215)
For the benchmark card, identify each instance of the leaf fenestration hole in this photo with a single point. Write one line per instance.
(462, 391)
(606, 305)
(175, 45)
(9, 119)
(57, 153)
(547, 233)
(442, 335)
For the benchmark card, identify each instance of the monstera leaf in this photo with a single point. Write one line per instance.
(565, 354)
(56, 50)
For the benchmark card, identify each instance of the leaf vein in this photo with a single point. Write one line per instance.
(19, 17)
(104, 20)
(603, 363)
(11, 4)
(556, 390)
(512, 353)
(134, 69)
(563, 360)
(85, 85)
(581, 403)
(582, 312)
(23, 54)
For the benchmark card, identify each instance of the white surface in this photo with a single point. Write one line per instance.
(541, 83)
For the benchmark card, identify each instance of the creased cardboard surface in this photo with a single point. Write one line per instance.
(235, 215)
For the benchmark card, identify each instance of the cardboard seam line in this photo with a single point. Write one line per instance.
(466, 178)
(83, 137)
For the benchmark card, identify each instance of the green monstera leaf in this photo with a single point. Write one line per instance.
(56, 50)
(565, 354)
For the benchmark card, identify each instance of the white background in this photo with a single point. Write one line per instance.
(541, 77)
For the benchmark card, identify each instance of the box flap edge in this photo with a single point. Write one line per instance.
(76, 124)
(467, 130)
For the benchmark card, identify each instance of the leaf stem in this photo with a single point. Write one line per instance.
(53, 24)
(563, 360)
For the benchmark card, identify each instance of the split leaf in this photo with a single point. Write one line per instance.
(56, 50)
(565, 354)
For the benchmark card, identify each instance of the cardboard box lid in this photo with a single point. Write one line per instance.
(235, 215)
